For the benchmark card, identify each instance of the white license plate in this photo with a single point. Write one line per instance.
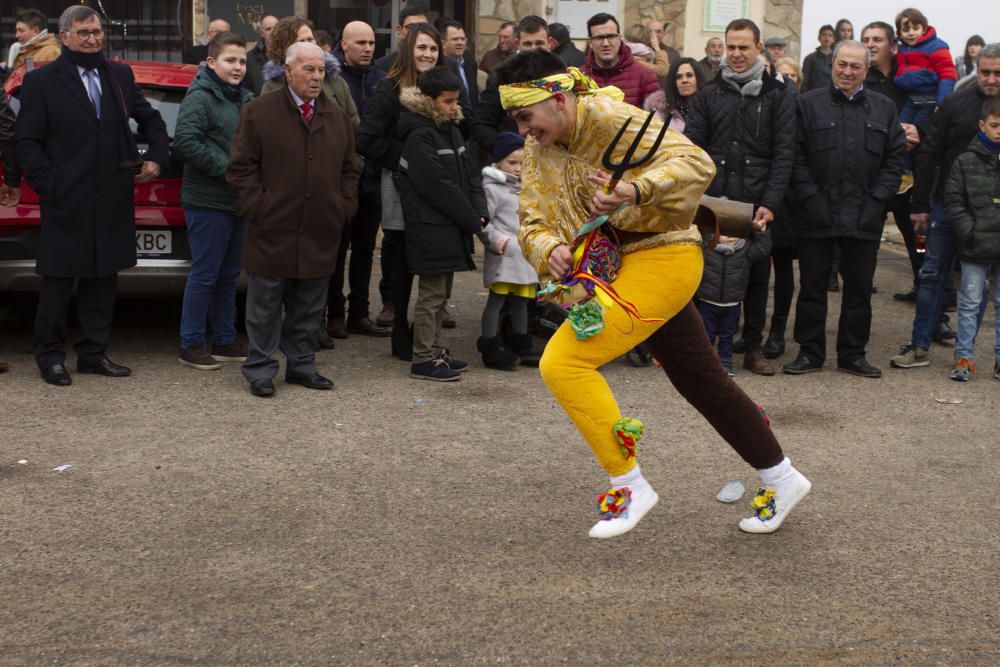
(153, 242)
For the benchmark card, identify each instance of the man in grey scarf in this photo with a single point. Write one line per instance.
(745, 119)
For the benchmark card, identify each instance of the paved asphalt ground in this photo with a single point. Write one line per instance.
(394, 521)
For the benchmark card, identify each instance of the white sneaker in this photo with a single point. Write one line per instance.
(622, 510)
(771, 506)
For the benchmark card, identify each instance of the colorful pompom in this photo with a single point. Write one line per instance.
(763, 504)
(602, 259)
(614, 504)
(763, 413)
(628, 432)
(586, 319)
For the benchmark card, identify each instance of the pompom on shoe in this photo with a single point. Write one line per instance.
(620, 510)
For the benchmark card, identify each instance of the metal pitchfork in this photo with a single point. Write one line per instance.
(618, 170)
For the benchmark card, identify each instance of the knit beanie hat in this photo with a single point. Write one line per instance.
(506, 143)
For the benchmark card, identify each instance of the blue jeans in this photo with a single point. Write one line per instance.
(934, 272)
(720, 323)
(972, 304)
(216, 240)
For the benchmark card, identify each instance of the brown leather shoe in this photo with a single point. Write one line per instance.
(365, 327)
(4, 366)
(757, 363)
(386, 317)
(337, 329)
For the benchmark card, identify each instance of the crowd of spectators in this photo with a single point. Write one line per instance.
(824, 151)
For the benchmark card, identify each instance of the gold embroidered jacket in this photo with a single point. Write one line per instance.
(555, 192)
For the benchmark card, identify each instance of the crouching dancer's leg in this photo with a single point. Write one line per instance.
(569, 368)
(682, 348)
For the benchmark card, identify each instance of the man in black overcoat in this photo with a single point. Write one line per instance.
(77, 151)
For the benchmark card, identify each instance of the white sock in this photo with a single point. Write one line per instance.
(632, 479)
(776, 475)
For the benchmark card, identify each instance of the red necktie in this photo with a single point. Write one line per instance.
(307, 112)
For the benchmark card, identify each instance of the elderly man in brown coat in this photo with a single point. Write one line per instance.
(293, 168)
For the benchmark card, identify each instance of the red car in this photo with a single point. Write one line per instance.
(160, 237)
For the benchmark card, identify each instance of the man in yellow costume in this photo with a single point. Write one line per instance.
(569, 123)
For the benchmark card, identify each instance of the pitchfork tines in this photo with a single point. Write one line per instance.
(618, 170)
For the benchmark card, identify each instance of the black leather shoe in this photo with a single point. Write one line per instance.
(314, 381)
(803, 364)
(263, 388)
(860, 367)
(104, 367)
(58, 375)
(943, 332)
(906, 297)
(739, 346)
(324, 341)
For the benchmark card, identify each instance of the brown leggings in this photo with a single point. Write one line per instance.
(687, 357)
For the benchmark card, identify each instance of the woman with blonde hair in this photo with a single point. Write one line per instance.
(646, 49)
(789, 70)
(288, 31)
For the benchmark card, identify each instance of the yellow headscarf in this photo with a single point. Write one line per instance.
(517, 95)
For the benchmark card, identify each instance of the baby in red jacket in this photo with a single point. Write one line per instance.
(925, 69)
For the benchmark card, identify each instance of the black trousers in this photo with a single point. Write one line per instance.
(393, 243)
(95, 309)
(687, 357)
(359, 234)
(755, 304)
(857, 267)
(899, 206)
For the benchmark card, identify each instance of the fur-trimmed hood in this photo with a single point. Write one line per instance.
(492, 174)
(417, 103)
(273, 70)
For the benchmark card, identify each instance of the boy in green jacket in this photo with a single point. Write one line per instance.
(205, 127)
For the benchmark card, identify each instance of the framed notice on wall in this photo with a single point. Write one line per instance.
(718, 13)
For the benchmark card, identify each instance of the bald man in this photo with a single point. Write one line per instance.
(351, 315)
(257, 56)
(197, 54)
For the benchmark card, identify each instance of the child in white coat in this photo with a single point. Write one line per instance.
(507, 274)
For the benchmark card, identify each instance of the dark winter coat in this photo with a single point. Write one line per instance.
(362, 82)
(75, 163)
(490, 118)
(972, 203)
(849, 162)
(954, 124)
(11, 176)
(378, 140)
(885, 85)
(817, 70)
(628, 74)
(926, 68)
(569, 54)
(440, 188)
(725, 277)
(205, 127)
(256, 59)
(333, 85)
(751, 140)
(296, 185)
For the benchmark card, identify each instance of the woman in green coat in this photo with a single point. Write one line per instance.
(205, 126)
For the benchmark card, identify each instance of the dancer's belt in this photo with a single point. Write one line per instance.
(624, 237)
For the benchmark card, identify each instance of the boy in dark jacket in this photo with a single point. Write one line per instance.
(972, 206)
(443, 206)
(724, 285)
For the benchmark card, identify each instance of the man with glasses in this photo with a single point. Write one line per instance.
(610, 61)
(849, 161)
(76, 148)
(951, 129)
(460, 62)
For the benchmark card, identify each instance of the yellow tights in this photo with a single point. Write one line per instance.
(659, 281)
